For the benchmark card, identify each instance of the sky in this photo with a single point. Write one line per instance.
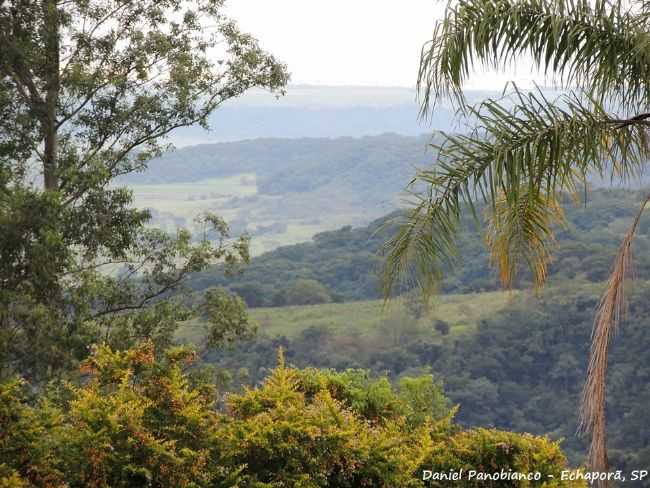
(353, 42)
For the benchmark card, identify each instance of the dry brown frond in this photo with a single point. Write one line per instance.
(611, 309)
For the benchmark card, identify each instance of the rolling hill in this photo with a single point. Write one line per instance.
(281, 190)
(346, 261)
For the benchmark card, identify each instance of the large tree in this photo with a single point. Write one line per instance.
(89, 89)
(527, 149)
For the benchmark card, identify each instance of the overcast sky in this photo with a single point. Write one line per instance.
(352, 42)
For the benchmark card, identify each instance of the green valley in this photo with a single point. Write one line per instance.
(407, 247)
(511, 359)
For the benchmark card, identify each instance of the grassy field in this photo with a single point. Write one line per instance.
(462, 312)
(365, 318)
(186, 199)
(236, 199)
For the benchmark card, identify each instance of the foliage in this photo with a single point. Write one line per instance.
(495, 451)
(306, 292)
(321, 418)
(27, 445)
(51, 314)
(346, 261)
(139, 422)
(144, 419)
(89, 90)
(517, 367)
(227, 318)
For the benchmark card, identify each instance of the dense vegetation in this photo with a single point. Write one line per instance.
(83, 103)
(525, 151)
(93, 390)
(142, 420)
(347, 262)
(519, 368)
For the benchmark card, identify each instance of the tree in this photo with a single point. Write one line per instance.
(88, 92)
(442, 327)
(307, 292)
(527, 149)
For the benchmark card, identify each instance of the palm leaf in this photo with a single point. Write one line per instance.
(523, 232)
(611, 310)
(527, 153)
(599, 47)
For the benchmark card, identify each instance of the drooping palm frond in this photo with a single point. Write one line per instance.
(602, 47)
(523, 232)
(610, 312)
(417, 253)
(537, 148)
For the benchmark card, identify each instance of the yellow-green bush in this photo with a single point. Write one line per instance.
(139, 420)
(493, 451)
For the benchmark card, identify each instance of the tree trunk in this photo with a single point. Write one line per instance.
(52, 86)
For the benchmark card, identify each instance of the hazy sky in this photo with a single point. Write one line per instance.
(352, 42)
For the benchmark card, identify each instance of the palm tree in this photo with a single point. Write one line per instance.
(526, 149)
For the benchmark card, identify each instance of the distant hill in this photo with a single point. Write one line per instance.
(285, 190)
(347, 261)
(327, 111)
(282, 191)
(296, 165)
(322, 111)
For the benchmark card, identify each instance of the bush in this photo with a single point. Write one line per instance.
(142, 420)
(442, 327)
(306, 292)
(492, 451)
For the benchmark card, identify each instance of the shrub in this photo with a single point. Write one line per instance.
(306, 292)
(442, 327)
(142, 420)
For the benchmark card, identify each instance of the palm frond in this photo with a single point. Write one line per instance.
(610, 312)
(602, 47)
(522, 233)
(537, 148)
(416, 253)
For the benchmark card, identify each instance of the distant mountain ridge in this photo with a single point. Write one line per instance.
(327, 111)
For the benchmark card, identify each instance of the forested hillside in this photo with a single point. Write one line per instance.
(514, 360)
(297, 165)
(516, 364)
(347, 262)
(280, 191)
